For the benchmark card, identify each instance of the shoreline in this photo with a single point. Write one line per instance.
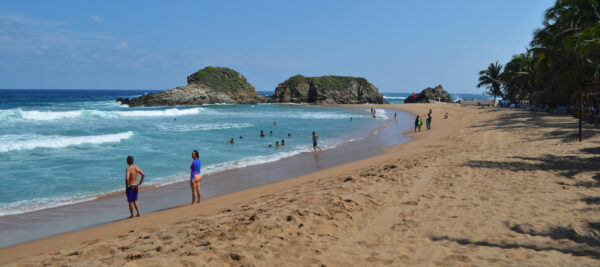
(207, 170)
(31, 226)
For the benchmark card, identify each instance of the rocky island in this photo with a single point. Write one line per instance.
(430, 95)
(327, 90)
(207, 86)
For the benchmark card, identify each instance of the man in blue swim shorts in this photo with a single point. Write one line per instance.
(132, 186)
(315, 142)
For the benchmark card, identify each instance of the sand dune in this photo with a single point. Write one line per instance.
(485, 187)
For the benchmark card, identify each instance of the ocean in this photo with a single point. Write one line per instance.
(59, 147)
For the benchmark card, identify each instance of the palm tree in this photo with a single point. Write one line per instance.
(491, 78)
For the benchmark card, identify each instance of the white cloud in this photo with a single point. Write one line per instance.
(122, 45)
(98, 19)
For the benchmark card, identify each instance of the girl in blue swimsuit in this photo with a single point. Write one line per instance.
(195, 177)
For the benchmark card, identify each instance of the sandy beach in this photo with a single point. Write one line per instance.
(485, 187)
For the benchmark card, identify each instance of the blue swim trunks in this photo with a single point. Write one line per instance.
(314, 143)
(132, 193)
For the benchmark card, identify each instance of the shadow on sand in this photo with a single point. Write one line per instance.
(566, 130)
(546, 126)
(581, 245)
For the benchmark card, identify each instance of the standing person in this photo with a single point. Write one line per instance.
(270, 133)
(420, 123)
(417, 123)
(195, 177)
(132, 186)
(446, 116)
(315, 139)
(282, 142)
(262, 133)
(276, 144)
(429, 122)
(395, 115)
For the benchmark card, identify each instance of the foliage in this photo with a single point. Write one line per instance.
(563, 59)
(327, 82)
(221, 79)
(491, 78)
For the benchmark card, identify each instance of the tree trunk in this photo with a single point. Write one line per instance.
(580, 111)
(494, 104)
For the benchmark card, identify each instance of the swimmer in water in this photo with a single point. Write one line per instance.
(230, 141)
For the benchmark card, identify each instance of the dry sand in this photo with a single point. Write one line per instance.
(485, 187)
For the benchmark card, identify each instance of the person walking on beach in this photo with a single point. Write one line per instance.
(195, 177)
(429, 122)
(132, 186)
(315, 139)
(417, 123)
(420, 124)
(395, 115)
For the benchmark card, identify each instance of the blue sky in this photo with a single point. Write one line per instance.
(399, 46)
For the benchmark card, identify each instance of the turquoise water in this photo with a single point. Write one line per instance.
(64, 146)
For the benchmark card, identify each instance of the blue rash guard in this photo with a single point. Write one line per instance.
(195, 168)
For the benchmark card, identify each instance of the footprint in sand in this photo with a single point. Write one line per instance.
(461, 258)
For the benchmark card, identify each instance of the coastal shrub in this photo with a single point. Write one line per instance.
(221, 79)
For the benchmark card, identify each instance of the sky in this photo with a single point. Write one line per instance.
(399, 46)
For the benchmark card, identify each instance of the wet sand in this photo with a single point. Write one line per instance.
(15, 229)
(487, 187)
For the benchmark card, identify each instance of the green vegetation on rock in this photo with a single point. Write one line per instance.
(220, 79)
(337, 83)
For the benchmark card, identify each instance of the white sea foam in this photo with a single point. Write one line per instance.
(380, 114)
(394, 97)
(159, 113)
(284, 114)
(35, 115)
(175, 127)
(39, 204)
(27, 142)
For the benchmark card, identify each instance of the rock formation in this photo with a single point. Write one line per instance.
(429, 95)
(207, 86)
(327, 90)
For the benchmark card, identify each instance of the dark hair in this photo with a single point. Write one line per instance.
(195, 152)
(129, 160)
(313, 132)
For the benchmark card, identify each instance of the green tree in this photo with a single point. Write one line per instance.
(491, 78)
(519, 78)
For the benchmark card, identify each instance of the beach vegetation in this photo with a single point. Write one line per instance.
(491, 78)
(220, 79)
(562, 64)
